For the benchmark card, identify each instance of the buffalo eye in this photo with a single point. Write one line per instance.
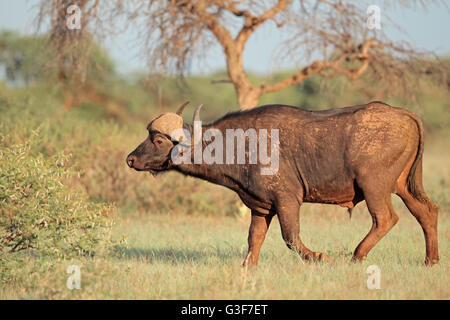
(158, 140)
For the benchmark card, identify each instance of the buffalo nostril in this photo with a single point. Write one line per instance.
(130, 161)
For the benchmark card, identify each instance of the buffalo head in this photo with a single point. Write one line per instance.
(164, 132)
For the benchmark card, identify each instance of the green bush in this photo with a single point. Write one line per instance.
(39, 215)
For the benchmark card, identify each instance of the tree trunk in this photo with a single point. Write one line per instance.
(247, 97)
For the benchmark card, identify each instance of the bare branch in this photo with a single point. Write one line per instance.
(320, 67)
(222, 34)
(252, 22)
(221, 81)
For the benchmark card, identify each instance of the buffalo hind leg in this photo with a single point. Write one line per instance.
(424, 210)
(426, 213)
(383, 219)
(256, 235)
(288, 215)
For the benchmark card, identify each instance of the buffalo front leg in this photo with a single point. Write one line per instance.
(256, 234)
(289, 217)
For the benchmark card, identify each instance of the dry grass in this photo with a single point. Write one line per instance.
(198, 257)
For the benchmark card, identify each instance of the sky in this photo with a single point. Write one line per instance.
(427, 29)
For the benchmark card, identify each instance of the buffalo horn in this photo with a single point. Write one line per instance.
(197, 113)
(181, 108)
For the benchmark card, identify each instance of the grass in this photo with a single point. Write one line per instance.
(201, 260)
(199, 257)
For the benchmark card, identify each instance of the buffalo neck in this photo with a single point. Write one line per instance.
(222, 174)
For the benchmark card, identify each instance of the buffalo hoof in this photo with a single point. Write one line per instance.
(322, 257)
(358, 259)
(250, 261)
(249, 265)
(431, 262)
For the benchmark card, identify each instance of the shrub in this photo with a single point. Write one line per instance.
(39, 215)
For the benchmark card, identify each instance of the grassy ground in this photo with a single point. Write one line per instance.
(199, 257)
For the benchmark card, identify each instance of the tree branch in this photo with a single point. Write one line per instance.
(320, 67)
(221, 34)
(230, 6)
(253, 22)
(233, 52)
(221, 81)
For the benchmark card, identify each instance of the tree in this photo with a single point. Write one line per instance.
(332, 37)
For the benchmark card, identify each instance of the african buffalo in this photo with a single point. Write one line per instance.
(339, 156)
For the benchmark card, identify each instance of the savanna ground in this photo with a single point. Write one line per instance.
(199, 257)
(181, 238)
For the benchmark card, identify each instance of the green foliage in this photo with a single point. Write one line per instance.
(39, 215)
(32, 58)
(21, 56)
